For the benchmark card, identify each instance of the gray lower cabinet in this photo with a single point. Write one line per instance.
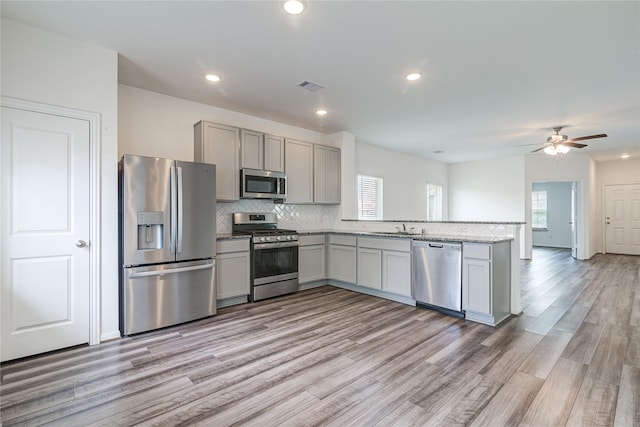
(396, 271)
(233, 271)
(486, 282)
(312, 258)
(385, 264)
(342, 258)
(370, 268)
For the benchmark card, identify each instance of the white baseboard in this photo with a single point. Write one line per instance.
(311, 285)
(374, 292)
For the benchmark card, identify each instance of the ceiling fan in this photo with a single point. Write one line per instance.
(561, 144)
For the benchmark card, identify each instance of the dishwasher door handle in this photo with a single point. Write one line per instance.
(431, 245)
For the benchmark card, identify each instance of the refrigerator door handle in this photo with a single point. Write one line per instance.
(173, 214)
(133, 275)
(179, 242)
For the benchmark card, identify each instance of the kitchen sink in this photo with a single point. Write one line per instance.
(394, 233)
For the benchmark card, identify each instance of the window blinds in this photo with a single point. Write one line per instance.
(369, 197)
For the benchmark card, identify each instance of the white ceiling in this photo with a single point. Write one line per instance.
(496, 74)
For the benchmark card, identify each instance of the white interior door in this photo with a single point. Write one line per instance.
(622, 219)
(45, 222)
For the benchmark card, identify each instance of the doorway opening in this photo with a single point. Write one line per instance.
(554, 215)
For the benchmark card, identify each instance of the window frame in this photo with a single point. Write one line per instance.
(376, 184)
(439, 208)
(535, 209)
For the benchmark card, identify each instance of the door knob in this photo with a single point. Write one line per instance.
(81, 244)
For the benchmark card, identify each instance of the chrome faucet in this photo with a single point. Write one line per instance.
(404, 229)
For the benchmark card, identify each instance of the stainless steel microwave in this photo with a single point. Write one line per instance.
(260, 184)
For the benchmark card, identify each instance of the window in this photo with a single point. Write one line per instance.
(539, 209)
(434, 202)
(369, 197)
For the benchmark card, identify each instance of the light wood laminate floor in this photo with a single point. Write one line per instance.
(328, 356)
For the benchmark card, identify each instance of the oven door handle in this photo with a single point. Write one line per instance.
(257, 246)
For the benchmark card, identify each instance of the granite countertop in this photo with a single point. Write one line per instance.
(436, 222)
(425, 237)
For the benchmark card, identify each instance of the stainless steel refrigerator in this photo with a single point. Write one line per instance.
(167, 225)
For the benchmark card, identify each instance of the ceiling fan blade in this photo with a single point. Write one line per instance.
(538, 149)
(529, 145)
(582, 138)
(574, 145)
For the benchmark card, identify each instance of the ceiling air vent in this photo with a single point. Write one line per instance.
(310, 86)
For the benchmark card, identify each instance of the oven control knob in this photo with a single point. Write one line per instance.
(289, 237)
(278, 238)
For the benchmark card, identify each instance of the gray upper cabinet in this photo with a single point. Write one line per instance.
(274, 153)
(220, 145)
(252, 149)
(260, 151)
(326, 175)
(299, 168)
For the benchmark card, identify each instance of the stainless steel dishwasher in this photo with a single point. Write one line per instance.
(436, 277)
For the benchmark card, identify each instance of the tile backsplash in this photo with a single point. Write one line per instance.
(296, 217)
(326, 217)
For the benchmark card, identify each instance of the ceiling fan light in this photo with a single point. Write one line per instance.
(551, 150)
(556, 139)
(563, 149)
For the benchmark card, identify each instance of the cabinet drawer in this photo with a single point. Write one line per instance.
(232, 245)
(341, 239)
(478, 251)
(402, 245)
(313, 239)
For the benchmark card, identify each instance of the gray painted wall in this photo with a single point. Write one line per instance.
(558, 233)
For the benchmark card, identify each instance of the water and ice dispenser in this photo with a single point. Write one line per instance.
(150, 230)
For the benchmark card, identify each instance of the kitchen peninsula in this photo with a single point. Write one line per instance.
(374, 257)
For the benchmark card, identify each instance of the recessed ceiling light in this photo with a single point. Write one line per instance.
(625, 156)
(293, 7)
(321, 112)
(413, 76)
(213, 77)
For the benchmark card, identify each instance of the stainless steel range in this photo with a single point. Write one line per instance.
(274, 254)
